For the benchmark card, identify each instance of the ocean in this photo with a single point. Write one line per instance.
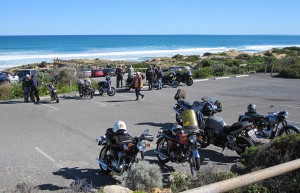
(19, 50)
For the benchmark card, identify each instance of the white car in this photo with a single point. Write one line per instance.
(5, 76)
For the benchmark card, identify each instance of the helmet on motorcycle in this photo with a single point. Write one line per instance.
(107, 78)
(119, 125)
(207, 109)
(251, 108)
(218, 104)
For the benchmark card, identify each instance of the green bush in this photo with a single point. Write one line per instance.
(192, 58)
(243, 57)
(143, 176)
(293, 48)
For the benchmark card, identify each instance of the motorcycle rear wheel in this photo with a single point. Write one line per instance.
(100, 92)
(91, 94)
(103, 156)
(162, 143)
(189, 82)
(243, 143)
(175, 84)
(111, 92)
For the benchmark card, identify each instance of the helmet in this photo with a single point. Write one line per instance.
(119, 125)
(218, 104)
(207, 109)
(251, 108)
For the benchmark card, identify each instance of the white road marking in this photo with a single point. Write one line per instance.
(200, 80)
(293, 121)
(100, 103)
(45, 155)
(220, 78)
(239, 76)
(51, 107)
(290, 106)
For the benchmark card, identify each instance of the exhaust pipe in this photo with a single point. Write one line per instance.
(161, 154)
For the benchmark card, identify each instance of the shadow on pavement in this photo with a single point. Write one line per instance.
(160, 125)
(208, 155)
(120, 101)
(93, 177)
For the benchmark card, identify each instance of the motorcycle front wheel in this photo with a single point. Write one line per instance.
(189, 82)
(111, 92)
(91, 94)
(162, 146)
(194, 164)
(288, 130)
(56, 97)
(243, 143)
(104, 157)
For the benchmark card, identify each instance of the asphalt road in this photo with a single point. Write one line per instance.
(50, 145)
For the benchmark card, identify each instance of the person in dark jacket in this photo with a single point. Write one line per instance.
(34, 93)
(150, 77)
(119, 73)
(26, 85)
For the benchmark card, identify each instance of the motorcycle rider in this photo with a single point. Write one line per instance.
(115, 136)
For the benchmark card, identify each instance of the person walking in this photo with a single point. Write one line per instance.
(150, 77)
(119, 73)
(159, 76)
(26, 85)
(138, 84)
(34, 94)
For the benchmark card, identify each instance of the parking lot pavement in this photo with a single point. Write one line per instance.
(52, 144)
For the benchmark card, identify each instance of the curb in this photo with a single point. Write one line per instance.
(239, 76)
(220, 78)
(200, 80)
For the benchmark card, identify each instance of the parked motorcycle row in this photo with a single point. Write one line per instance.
(197, 128)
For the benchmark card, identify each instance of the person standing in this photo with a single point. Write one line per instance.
(119, 73)
(26, 85)
(34, 94)
(159, 78)
(138, 84)
(150, 77)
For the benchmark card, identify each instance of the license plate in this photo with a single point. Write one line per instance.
(252, 135)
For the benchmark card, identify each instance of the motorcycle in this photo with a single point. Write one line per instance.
(215, 130)
(126, 152)
(84, 89)
(129, 84)
(179, 144)
(170, 79)
(53, 92)
(105, 86)
(185, 77)
(269, 126)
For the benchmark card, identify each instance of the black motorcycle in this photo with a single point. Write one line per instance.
(84, 89)
(118, 157)
(179, 144)
(53, 91)
(185, 77)
(269, 126)
(105, 86)
(129, 84)
(170, 79)
(215, 130)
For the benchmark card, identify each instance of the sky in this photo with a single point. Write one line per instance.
(140, 17)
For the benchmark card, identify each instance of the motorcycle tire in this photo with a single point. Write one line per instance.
(194, 164)
(243, 143)
(189, 82)
(56, 98)
(100, 92)
(91, 94)
(178, 119)
(160, 143)
(111, 92)
(128, 88)
(175, 84)
(288, 130)
(103, 156)
(81, 95)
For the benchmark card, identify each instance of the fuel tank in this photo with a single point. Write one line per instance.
(216, 123)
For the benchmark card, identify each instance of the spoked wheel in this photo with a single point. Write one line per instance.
(175, 84)
(56, 98)
(194, 164)
(111, 92)
(288, 130)
(91, 94)
(189, 82)
(243, 143)
(105, 157)
(100, 92)
(162, 146)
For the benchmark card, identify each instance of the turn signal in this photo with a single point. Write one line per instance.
(130, 144)
(148, 145)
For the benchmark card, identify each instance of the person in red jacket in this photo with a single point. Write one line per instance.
(138, 84)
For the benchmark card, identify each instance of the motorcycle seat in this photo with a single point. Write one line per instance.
(235, 126)
(185, 103)
(255, 116)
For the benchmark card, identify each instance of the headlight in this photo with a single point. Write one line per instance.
(141, 145)
(193, 138)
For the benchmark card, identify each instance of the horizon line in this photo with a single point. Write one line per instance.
(153, 35)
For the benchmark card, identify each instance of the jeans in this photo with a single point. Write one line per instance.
(150, 84)
(159, 86)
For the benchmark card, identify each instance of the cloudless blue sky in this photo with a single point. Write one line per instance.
(85, 17)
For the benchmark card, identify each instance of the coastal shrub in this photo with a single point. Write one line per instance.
(291, 71)
(206, 63)
(284, 51)
(192, 58)
(43, 64)
(178, 57)
(293, 48)
(243, 57)
(143, 176)
(4, 91)
(207, 54)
